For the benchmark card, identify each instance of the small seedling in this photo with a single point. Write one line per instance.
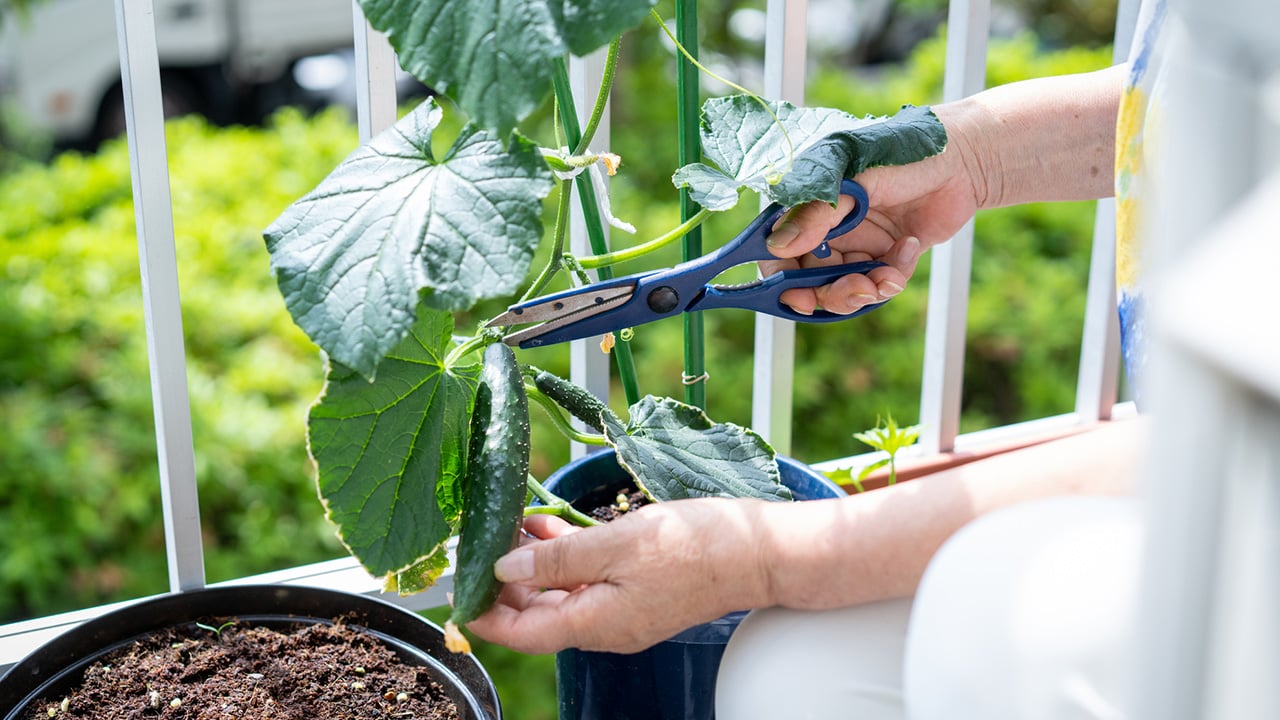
(887, 437)
(216, 630)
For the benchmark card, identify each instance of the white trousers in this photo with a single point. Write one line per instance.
(1024, 614)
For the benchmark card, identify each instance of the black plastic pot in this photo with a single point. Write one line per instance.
(59, 664)
(675, 679)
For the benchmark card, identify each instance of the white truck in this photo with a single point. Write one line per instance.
(227, 59)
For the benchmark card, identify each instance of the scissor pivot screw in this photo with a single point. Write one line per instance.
(663, 299)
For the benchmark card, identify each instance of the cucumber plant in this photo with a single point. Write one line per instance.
(414, 437)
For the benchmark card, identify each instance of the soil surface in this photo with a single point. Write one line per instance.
(304, 672)
(611, 504)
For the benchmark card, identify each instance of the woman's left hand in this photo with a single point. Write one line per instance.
(625, 586)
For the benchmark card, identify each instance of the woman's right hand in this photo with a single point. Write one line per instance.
(912, 208)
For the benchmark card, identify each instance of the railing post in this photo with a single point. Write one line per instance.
(149, 168)
(588, 366)
(943, 376)
(375, 78)
(773, 379)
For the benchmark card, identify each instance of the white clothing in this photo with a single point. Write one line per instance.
(1026, 613)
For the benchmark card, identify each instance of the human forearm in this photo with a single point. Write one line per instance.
(1045, 139)
(623, 586)
(876, 545)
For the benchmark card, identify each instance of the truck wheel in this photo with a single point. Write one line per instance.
(178, 95)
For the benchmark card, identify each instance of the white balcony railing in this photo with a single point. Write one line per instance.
(940, 401)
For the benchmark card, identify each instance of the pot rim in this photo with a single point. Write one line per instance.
(61, 661)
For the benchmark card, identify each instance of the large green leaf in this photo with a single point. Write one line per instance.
(391, 452)
(353, 256)
(495, 57)
(749, 148)
(675, 451)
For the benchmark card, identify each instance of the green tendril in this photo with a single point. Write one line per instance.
(791, 150)
(637, 251)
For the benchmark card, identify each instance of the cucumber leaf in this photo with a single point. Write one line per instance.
(675, 451)
(496, 58)
(392, 223)
(420, 575)
(390, 453)
(749, 149)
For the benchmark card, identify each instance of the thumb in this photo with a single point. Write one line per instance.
(804, 227)
(562, 562)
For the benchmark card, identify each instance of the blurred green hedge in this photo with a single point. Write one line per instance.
(78, 468)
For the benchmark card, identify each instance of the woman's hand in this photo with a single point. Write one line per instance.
(911, 208)
(625, 586)
(1039, 140)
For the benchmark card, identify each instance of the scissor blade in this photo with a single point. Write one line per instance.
(560, 310)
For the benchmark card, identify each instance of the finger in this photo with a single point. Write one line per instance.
(518, 596)
(563, 562)
(769, 267)
(906, 255)
(556, 621)
(511, 627)
(902, 258)
(546, 527)
(802, 300)
(804, 227)
(806, 300)
(889, 281)
(848, 294)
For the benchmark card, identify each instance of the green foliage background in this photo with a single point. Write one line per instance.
(78, 469)
(79, 501)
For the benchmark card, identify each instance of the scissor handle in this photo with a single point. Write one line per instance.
(683, 288)
(750, 245)
(763, 296)
(850, 221)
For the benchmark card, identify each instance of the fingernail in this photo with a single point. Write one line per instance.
(909, 252)
(867, 299)
(888, 288)
(783, 236)
(515, 566)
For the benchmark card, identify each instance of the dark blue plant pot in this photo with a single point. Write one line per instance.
(675, 679)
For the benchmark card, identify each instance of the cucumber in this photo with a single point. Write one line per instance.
(493, 487)
(581, 404)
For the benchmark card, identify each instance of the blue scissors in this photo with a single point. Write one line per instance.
(632, 300)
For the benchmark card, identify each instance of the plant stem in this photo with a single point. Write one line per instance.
(690, 151)
(557, 248)
(553, 505)
(631, 253)
(591, 214)
(602, 97)
(460, 351)
(560, 421)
